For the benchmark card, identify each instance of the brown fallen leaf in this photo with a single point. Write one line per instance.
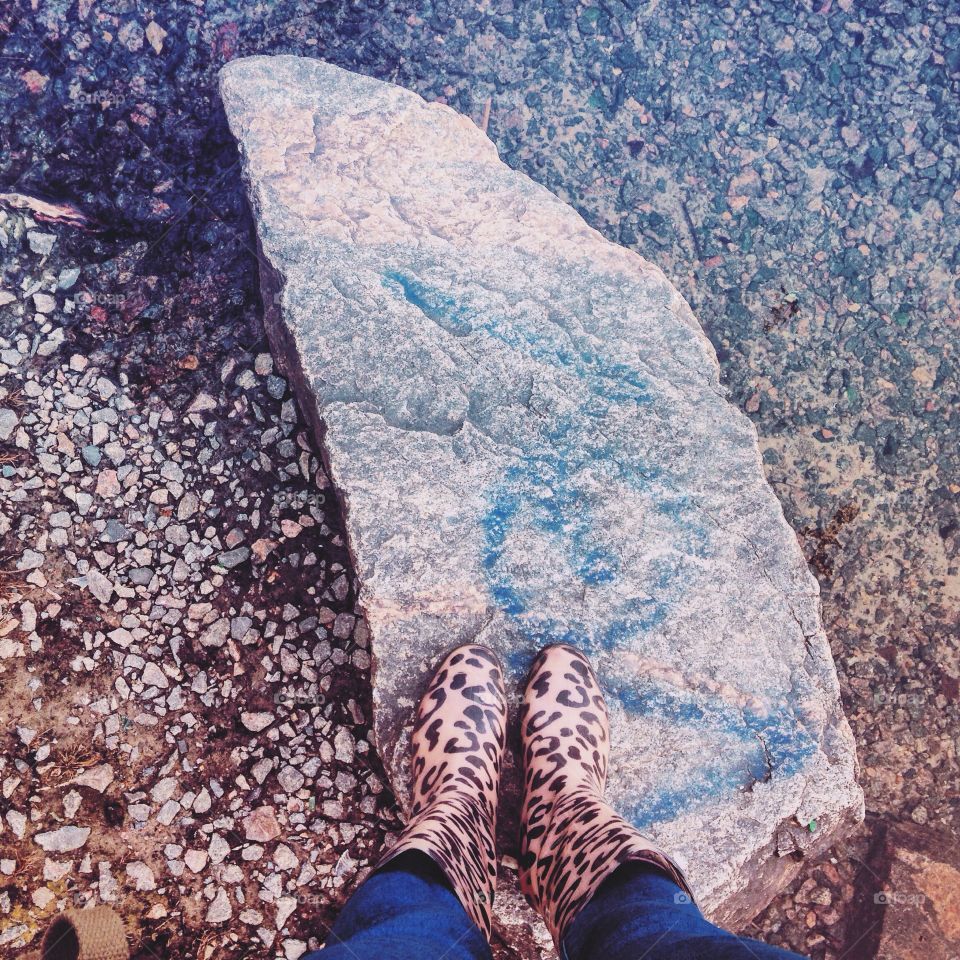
(48, 211)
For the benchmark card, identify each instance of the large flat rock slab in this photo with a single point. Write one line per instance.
(527, 428)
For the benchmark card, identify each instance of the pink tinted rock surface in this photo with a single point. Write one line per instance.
(527, 428)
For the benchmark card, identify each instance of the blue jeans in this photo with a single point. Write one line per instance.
(407, 911)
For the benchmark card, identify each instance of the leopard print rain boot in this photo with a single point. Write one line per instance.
(570, 839)
(457, 753)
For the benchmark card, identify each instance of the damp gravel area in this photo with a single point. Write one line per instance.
(185, 680)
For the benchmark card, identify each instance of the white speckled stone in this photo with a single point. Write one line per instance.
(63, 840)
(527, 427)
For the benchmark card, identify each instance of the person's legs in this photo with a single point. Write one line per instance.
(605, 891)
(406, 910)
(431, 895)
(638, 911)
(571, 839)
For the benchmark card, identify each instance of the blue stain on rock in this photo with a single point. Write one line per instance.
(609, 382)
(436, 306)
(757, 744)
(547, 491)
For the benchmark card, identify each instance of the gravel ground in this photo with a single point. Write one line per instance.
(185, 676)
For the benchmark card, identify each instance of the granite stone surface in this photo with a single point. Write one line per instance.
(527, 428)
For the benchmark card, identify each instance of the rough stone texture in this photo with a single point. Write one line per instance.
(909, 903)
(528, 429)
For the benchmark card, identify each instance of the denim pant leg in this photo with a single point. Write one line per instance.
(640, 912)
(404, 911)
